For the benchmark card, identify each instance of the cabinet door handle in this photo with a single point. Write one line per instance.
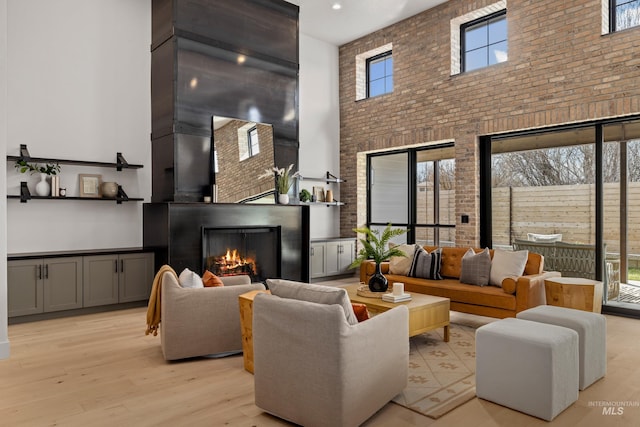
(312, 252)
(46, 271)
(116, 263)
(39, 273)
(121, 266)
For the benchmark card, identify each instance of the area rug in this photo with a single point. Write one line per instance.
(441, 374)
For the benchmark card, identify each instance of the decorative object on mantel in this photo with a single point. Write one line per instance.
(109, 190)
(43, 188)
(377, 248)
(284, 181)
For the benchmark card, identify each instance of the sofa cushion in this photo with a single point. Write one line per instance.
(210, 280)
(506, 264)
(488, 296)
(402, 264)
(189, 279)
(426, 265)
(476, 267)
(313, 293)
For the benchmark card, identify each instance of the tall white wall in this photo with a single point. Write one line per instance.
(78, 78)
(320, 126)
(4, 333)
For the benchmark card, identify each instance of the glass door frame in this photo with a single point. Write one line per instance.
(485, 158)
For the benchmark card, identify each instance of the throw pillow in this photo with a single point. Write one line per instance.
(402, 264)
(313, 293)
(360, 311)
(476, 268)
(426, 265)
(210, 280)
(189, 279)
(507, 264)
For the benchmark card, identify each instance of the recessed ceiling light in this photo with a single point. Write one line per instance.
(336, 6)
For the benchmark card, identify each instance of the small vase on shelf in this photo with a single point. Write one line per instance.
(283, 199)
(43, 188)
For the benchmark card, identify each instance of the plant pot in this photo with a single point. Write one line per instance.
(283, 199)
(377, 282)
(43, 188)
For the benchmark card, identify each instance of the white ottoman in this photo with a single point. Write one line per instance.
(528, 366)
(592, 333)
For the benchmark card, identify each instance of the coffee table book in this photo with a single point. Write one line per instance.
(396, 298)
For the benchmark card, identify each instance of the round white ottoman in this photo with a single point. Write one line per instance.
(592, 333)
(531, 367)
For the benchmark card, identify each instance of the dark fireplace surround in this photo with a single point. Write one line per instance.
(201, 40)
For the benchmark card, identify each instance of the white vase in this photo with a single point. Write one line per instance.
(43, 188)
(283, 199)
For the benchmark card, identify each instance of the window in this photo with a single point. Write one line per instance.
(623, 14)
(380, 74)
(248, 143)
(484, 41)
(254, 145)
(414, 188)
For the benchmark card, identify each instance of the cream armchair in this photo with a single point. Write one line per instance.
(201, 321)
(313, 368)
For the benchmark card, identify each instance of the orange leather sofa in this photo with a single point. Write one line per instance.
(517, 294)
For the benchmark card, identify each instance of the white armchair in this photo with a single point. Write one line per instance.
(313, 368)
(201, 321)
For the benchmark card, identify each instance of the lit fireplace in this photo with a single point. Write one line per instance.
(231, 264)
(252, 250)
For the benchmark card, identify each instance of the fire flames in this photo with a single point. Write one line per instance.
(231, 264)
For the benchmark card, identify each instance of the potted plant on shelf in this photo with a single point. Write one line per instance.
(284, 181)
(376, 247)
(43, 188)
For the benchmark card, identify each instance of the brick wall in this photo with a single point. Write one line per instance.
(239, 179)
(560, 70)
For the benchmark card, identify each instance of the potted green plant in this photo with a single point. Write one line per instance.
(376, 247)
(43, 188)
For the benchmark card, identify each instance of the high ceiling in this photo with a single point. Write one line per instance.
(355, 18)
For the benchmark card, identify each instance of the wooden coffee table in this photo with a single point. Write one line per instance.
(426, 312)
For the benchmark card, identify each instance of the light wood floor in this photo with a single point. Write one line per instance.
(101, 370)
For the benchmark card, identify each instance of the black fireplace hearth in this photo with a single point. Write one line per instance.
(184, 235)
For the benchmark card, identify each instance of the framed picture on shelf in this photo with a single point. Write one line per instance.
(90, 185)
(319, 193)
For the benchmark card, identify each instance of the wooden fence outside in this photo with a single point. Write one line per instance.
(563, 209)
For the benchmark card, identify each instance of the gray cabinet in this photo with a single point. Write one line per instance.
(318, 260)
(100, 280)
(48, 284)
(135, 277)
(331, 257)
(44, 285)
(112, 279)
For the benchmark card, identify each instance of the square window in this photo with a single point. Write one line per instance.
(484, 41)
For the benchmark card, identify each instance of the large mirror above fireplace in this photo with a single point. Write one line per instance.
(243, 150)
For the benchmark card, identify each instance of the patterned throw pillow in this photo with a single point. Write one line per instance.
(476, 268)
(426, 265)
(360, 311)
